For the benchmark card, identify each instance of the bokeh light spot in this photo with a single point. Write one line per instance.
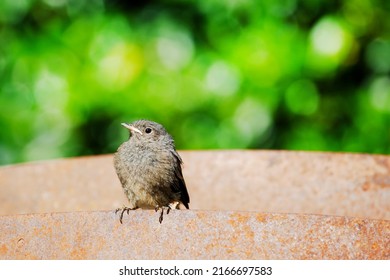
(175, 49)
(327, 37)
(380, 93)
(222, 79)
(331, 45)
(120, 66)
(251, 120)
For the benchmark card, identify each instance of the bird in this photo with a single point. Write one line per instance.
(149, 169)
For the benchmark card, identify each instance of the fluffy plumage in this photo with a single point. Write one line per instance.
(149, 168)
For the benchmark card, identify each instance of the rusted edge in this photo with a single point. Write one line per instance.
(188, 234)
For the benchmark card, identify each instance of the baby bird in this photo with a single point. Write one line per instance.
(149, 168)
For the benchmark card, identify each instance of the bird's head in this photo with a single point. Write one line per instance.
(148, 132)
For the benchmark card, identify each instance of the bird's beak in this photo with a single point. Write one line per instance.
(131, 128)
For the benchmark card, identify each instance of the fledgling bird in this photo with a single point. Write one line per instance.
(149, 168)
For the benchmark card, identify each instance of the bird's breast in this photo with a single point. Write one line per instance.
(141, 159)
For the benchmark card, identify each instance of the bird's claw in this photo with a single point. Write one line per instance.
(123, 210)
(160, 219)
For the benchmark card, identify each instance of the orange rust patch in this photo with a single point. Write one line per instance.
(44, 230)
(237, 219)
(374, 246)
(366, 187)
(211, 247)
(383, 161)
(382, 180)
(3, 249)
(338, 222)
(280, 217)
(200, 215)
(243, 234)
(377, 181)
(79, 254)
(261, 218)
(324, 249)
(249, 232)
(27, 256)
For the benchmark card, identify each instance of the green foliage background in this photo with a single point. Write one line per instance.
(275, 74)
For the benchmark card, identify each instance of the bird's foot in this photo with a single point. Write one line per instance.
(160, 219)
(123, 210)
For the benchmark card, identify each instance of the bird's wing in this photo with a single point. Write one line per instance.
(179, 184)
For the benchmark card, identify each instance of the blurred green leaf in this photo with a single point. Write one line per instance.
(286, 74)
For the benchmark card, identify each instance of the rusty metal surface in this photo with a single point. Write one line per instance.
(186, 234)
(267, 181)
(231, 194)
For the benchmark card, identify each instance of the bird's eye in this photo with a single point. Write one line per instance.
(148, 130)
